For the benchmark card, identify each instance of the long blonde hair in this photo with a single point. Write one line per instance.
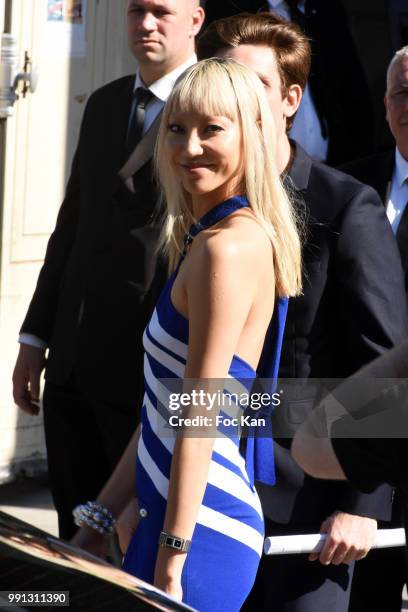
(224, 87)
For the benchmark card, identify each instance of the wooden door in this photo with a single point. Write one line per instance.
(77, 46)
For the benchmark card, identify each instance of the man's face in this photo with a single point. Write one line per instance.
(261, 59)
(396, 103)
(161, 32)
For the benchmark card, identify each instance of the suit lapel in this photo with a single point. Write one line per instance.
(402, 233)
(120, 121)
(383, 175)
(402, 239)
(143, 151)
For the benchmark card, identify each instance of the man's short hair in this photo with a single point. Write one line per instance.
(286, 39)
(399, 55)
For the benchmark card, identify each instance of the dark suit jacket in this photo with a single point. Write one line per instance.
(89, 304)
(337, 81)
(353, 308)
(377, 171)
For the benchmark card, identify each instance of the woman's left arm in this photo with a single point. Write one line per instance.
(220, 292)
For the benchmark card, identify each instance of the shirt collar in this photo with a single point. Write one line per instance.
(401, 168)
(163, 86)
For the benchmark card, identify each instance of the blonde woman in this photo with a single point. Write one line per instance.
(232, 243)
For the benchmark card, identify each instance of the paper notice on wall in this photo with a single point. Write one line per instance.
(65, 28)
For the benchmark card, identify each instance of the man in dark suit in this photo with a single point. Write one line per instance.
(335, 118)
(387, 173)
(353, 308)
(323, 450)
(91, 301)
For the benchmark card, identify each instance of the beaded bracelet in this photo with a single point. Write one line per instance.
(95, 516)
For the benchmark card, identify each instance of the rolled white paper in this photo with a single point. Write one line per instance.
(313, 542)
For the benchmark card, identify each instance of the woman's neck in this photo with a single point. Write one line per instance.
(203, 203)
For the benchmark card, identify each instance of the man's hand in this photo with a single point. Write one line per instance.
(26, 378)
(127, 523)
(90, 540)
(348, 538)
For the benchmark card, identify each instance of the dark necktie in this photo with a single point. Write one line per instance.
(296, 14)
(142, 98)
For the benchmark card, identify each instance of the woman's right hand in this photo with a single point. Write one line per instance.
(90, 540)
(127, 523)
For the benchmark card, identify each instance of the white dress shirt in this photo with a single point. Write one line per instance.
(161, 90)
(398, 195)
(306, 129)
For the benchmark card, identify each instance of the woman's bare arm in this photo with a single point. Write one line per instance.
(115, 495)
(221, 289)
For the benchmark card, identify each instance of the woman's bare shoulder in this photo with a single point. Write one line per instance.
(241, 235)
(239, 250)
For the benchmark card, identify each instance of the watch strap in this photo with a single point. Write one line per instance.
(167, 540)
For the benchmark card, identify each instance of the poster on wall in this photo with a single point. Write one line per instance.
(65, 10)
(66, 28)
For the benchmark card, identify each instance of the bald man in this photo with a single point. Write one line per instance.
(92, 297)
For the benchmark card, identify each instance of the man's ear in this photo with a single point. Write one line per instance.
(386, 106)
(292, 100)
(198, 17)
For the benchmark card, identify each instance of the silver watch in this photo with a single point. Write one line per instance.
(166, 540)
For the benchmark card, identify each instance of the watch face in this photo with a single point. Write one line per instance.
(170, 541)
(173, 542)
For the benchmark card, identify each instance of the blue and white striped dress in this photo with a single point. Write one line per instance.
(227, 542)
